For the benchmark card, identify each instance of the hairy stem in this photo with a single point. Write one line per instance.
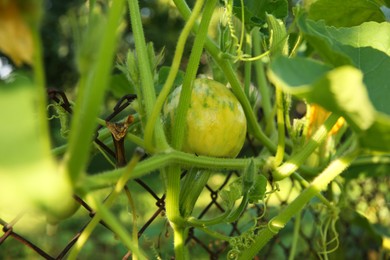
(147, 82)
(297, 226)
(173, 172)
(193, 63)
(159, 161)
(172, 74)
(281, 126)
(91, 96)
(262, 83)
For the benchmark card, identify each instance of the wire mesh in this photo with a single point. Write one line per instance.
(355, 240)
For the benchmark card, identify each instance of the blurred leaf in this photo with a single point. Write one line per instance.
(375, 66)
(87, 42)
(253, 184)
(366, 46)
(29, 176)
(154, 59)
(369, 165)
(248, 176)
(255, 10)
(382, 230)
(31, 10)
(377, 137)
(345, 13)
(258, 189)
(231, 193)
(120, 86)
(20, 138)
(382, 2)
(298, 71)
(163, 75)
(15, 35)
(356, 219)
(131, 68)
(370, 34)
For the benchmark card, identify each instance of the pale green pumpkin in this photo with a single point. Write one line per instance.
(216, 123)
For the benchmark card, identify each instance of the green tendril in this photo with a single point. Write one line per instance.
(242, 242)
(329, 237)
(62, 115)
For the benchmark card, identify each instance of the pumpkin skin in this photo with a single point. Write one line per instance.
(215, 124)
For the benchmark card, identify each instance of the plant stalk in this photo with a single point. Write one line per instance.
(91, 96)
(173, 173)
(39, 80)
(159, 161)
(262, 83)
(172, 74)
(281, 126)
(334, 169)
(102, 209)
(147, 82)
(296, 160)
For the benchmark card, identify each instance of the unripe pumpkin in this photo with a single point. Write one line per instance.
(215, 123)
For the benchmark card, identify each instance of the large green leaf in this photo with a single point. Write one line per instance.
(373, 165)
(366, 46)
(340, 90)
(255, 10)
(346, 13)
(297, 72)
(370, 34)
(377, 137)
(120, 86)
(382, 2)
(163, 75)
(357, 219)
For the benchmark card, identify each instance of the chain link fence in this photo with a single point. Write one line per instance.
(353, 236)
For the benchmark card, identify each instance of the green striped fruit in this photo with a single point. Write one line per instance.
(216, 123)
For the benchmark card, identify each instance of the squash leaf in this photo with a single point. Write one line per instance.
(346, 13)
(255, 10)
(258, 189)
(340, 90)
(120, 86)
(366, 47)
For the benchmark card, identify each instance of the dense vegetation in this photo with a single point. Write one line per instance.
(278, 92)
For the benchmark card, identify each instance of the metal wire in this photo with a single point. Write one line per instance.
(278, 248)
